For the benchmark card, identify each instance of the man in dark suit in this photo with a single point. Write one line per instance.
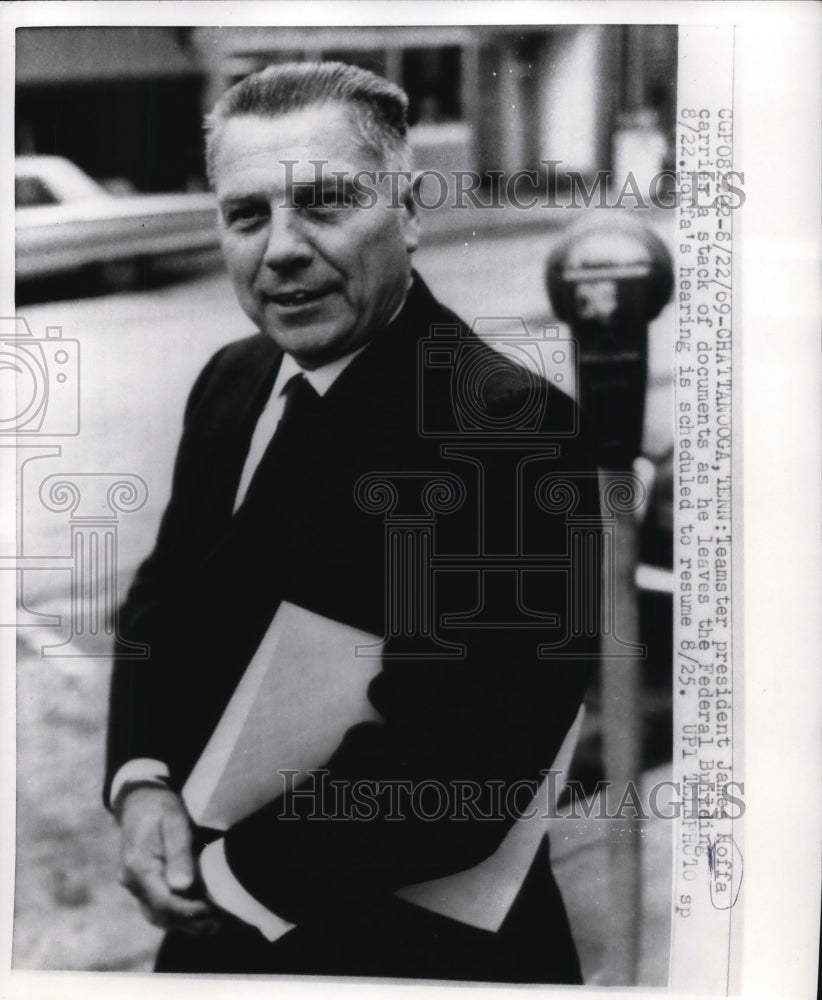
(292, 438)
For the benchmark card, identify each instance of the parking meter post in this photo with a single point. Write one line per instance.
(608, 278)
(621, 688)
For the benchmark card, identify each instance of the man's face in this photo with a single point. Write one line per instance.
(318, 278)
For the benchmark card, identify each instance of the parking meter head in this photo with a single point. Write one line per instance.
(607, 278)
(605, 265)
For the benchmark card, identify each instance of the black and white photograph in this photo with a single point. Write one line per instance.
(386, 567)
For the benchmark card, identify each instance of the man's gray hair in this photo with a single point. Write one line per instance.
(378, 107)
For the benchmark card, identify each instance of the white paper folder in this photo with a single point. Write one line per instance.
(305, 686)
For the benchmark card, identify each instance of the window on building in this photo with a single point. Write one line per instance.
(432, 79)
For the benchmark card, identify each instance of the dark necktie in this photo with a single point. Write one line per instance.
(301, 402)
(300, 399)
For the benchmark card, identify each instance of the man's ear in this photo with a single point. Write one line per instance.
(411, 215)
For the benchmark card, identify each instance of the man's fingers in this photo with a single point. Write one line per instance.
(158, 864)
(206, 926)
(166, 905)
(176, 835)
(198, 926)
(136, 869)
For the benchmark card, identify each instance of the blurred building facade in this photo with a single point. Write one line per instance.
(128, 102)
(120, 102)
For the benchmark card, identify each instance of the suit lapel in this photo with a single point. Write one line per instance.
(233, 412)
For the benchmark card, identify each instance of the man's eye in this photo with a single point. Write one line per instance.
(246, 216)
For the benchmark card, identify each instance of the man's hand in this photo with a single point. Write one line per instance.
(158, 866)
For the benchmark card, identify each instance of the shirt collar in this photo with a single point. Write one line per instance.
(320, 379)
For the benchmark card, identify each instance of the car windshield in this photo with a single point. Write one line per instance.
(32, 191)
(50, 180)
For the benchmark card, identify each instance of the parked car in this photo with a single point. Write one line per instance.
(65, 221)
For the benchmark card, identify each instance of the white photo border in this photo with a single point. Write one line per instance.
(777, 407)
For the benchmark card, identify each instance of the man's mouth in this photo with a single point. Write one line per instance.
(298, 297)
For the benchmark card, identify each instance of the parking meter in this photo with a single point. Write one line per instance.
(608, 277)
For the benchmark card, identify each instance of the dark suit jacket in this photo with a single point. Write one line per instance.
(206, 594)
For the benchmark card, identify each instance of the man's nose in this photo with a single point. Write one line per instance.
(287, 246)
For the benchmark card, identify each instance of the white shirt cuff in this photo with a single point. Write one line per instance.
(228, 893)
(141, 769)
